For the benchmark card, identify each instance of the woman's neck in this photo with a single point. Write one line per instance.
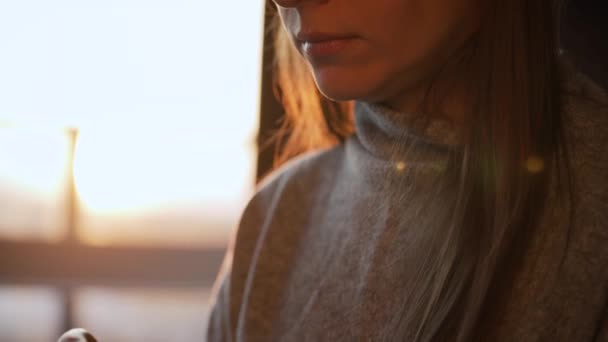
(443, 94)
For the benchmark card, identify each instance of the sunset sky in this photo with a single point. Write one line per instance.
(164, 93)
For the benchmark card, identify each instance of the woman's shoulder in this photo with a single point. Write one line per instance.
(585, 102)
(586, 126)
(304, 170)
(586, 106)
(282, 199)
(295, 182)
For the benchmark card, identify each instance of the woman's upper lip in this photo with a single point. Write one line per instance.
(315, 37)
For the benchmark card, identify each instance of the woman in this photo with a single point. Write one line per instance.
(455, 191)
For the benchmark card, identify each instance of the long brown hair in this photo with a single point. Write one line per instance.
(513, 142)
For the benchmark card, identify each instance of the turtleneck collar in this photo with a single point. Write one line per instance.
(389, 147)
(392, 135)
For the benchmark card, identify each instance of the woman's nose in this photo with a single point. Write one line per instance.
(295, 3)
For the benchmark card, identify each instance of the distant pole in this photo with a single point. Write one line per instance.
(71, 234)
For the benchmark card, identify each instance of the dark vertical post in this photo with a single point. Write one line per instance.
(583, 36)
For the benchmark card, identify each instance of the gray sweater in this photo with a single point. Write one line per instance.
(324, 248)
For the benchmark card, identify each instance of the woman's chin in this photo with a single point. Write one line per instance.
(339, 90)
(344, 84)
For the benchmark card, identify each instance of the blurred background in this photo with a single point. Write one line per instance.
(128, 148)
(130, 134)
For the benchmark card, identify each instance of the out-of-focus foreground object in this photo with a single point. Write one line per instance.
(77, 335)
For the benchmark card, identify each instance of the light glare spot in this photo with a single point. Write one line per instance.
(400, 166)
(535, 164)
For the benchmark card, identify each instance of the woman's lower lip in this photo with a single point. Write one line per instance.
(327, 47)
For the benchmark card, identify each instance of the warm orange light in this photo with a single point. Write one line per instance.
(161, 185)
(400, 166)
(32, 182)
(535, 164)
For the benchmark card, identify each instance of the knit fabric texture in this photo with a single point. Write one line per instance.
(326, 248)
